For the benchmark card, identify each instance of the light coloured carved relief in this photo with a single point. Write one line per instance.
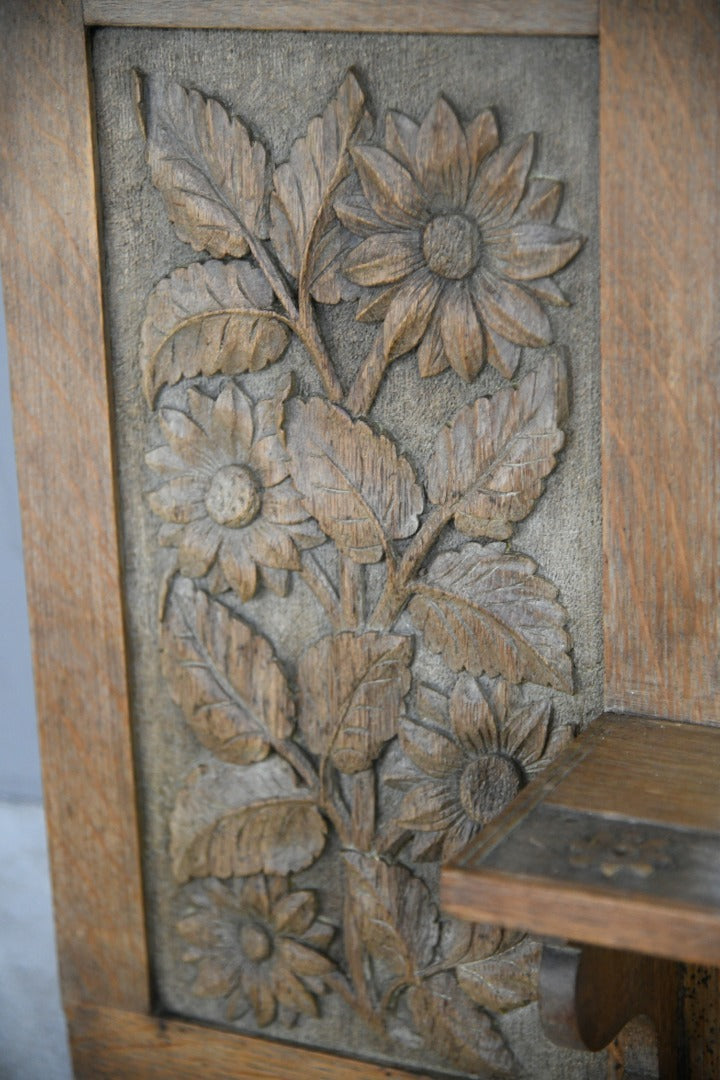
(439, 233)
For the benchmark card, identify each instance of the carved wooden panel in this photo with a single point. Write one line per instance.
(353, 324)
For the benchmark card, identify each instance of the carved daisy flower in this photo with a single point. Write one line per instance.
(228, 501)
(459, 245)
(474, 766)
(255, 943)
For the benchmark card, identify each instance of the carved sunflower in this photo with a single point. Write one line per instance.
(256, 943)
(228, 502)
(458, 246)
(474, 766)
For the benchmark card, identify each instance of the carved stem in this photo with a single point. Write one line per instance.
(307, 330)
(296, 757)
(395, 593)
(317, 582)
(367, 381)
(302, 321)
(352, 593)
(272, 273)
(363, 809)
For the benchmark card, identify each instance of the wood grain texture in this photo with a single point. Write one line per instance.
(109, 1044)
(584, 913)
(660, 201)
(652, 771)
(588, 994)
(572, 17)
(50, 264)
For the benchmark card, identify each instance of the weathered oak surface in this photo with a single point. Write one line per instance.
(50, 261)
(108, 1044)
(659, 93)
(576, 17)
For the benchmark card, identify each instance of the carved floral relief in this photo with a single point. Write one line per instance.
(438, 232)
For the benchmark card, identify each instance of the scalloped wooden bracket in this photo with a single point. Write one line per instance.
(588, 994)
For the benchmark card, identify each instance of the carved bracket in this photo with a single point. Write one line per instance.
(588, 994)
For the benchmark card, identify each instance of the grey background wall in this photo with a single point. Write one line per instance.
(19, 760)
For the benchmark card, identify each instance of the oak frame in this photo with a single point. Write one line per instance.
(659, 337)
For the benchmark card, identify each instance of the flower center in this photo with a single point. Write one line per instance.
(255, 942)
(233, 498)
(451, 244)
(487, 784)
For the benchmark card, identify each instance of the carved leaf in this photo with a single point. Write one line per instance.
(300, 205)
(490, 462)
(230, 821)
(224, 676)
(209, 171)
(354, 482)
(450, 1025)
(505, 982)
(207, 318)
(489, 612)
(352, 689)
(395, 916)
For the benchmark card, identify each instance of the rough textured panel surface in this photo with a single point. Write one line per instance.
(400, 487)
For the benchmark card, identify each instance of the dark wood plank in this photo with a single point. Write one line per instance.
(50, 262)
(701, 1016)
(660, 262)
(649, 771)
(583, 913)
(111, 1045)
(567, 17)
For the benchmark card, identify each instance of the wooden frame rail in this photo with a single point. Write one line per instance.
(660, 204)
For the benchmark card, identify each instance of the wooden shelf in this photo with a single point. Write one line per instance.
(618, 844)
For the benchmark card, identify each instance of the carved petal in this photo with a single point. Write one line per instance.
(228, 821)
(451, 1025)
(541, 201)
(534, 250)
(302, 960)
(429, 807)
(224, 677)
(500, 184)
(511, 311)
(410, 312)
(295, 912)
(472, 719)
(490, 461)
(384, 258)
(504, 355)
(401, 134)
(352, 689)
(390, 189)
(396, 918)
(489, 612)
(482, 138)
(443, 162)
(210, 172)
(206, 319)
(526, 734)
(433, 751)
(461, 333)
(352, 481)
(357, 215)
